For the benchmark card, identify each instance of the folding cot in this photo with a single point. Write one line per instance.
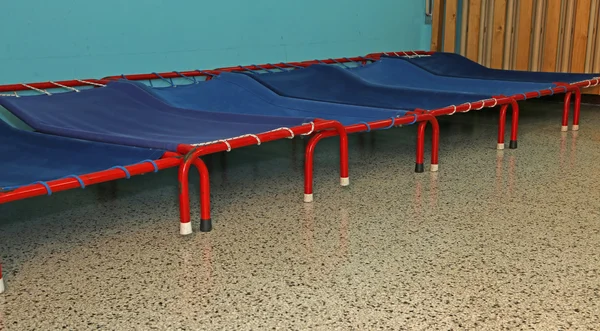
(121, 113)
(239, 94)
(33, 164)
(450, 65)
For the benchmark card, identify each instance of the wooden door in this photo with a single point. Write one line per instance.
(536, 35)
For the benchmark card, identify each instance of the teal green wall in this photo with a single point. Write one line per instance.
(53, 40)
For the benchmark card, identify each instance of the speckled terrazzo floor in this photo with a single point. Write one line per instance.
(495, 240)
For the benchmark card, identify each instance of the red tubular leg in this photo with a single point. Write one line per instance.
(184, 198)
(205, 220)
(435, 143)
(502, 126)
(309, 153)
(515, 125)
(309, 159)
(184, 194)
(577, 110)
(565, 117)
(420, 146)
(344, 168)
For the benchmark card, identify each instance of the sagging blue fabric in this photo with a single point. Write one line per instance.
(330, 83)
(455, 65)
(392, 72)
(235, 93)
(123, 113)
(28, 157)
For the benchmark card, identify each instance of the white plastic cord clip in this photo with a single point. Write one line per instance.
(64, 86)
(482, 105)
(255, 137)
(312, 129)
(468, 109)
(495, 102)
(36, 89)
(291, 132)
(453, 110)
(91, 83)
(226, 143)
(288, 129)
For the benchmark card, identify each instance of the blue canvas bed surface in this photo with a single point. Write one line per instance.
(27, 157)
(123, 113)
(455, 65)
(328, 83)
(398, 73)
(235, 93)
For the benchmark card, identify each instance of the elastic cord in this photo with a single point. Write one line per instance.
(368, 126)
(153, 164)
(170, 82)
(193, 79)
(292, 65)
(206, 73)
(415, 120)
(340, 63)
(127, 174)
(81, 183)
(248, 69)
(391, 124)
(282, 69)
(46, 186)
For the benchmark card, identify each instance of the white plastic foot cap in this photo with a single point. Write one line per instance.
(186, 228)
(564, 128)
(308, 197)
(345, 181)
(575, 127)
(1, 285)
(500, 146)
(434, 167)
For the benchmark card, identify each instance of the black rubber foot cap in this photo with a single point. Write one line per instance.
(419, 167)
(205, 225)
(513, 144)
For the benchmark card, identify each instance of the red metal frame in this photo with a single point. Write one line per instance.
(51, 85)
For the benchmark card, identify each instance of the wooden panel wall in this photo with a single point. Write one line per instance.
(537, 35)
(523, 35)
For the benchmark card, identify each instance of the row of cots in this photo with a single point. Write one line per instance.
(118, 127)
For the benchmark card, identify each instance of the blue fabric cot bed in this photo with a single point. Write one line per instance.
(122, 113)
(399, 72)
(240, 94)
(30, 157)
(456, 65)
(327, 83)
